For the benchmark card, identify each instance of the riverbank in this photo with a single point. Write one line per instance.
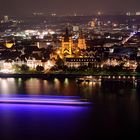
(45, 76)
(60, 75)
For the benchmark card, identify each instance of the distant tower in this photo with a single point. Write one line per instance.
(82, 42)
(6, 18)
(38, 44)
(67, 44)
(92, 24)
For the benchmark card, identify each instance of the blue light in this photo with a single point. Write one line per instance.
(52, 100)
(19, 120)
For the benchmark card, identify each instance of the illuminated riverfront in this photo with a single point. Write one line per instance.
(96, 46)
(79, 78)
(69, 70)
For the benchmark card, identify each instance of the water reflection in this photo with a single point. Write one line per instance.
(67, 87)
(7, 86)
(40, 120)
(34, 86)
(116, 105)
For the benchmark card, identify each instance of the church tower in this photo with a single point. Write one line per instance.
(81, 42)
(67, 44)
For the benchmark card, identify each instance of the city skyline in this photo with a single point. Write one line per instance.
(69, 69)
(61, 7)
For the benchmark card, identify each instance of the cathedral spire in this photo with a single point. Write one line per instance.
(67, 31)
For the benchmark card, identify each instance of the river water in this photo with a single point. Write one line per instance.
(114, 112)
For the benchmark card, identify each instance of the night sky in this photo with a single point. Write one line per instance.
(26, 7)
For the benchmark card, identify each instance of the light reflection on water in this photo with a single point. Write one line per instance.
(7, 86)
(36, 86)
(33, 86)
(116, 107)
(65, 87)
(68, 87)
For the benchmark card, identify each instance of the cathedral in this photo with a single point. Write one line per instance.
(69, 48)
(67, 44)
(81, 42)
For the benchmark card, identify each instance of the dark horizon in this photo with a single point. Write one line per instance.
(62, 7)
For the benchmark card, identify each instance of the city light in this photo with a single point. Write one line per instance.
(69, 69)
(7, 71)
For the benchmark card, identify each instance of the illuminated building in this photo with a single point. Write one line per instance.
(9, 45)
(81, 42)
(6, 66)
(92, 24)
(75, 28)
(111, 62)
(130, 65)
(69, 48)
(67, 44)
(33, 63)
(44, 44)
(77, 62)
(6, 18)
